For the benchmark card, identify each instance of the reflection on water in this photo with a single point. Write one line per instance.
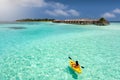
(74, 75)
(16, 28)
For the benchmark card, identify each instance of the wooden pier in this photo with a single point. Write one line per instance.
(100, 21)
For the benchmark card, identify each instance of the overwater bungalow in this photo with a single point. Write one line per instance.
(100, 21)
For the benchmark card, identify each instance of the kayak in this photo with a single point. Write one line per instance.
(76, 69)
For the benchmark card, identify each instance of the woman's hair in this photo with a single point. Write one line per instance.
(77, 63)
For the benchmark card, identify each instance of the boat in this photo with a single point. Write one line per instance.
(76, 69)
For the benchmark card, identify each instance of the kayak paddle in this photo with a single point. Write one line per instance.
(82, 67)
(70, 58)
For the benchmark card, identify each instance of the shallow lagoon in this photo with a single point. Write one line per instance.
(39, 51)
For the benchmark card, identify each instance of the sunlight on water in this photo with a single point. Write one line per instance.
(39, 51)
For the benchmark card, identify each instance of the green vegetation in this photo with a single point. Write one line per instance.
(32, 20)
(103, 21)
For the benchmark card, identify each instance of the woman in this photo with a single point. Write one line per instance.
(76, 65)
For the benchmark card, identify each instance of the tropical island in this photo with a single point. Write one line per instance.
(100, 22)
(34, 20)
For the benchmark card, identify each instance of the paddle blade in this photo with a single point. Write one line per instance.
(82, 67)
(69, 57)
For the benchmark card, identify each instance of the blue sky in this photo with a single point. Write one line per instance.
(59, 9)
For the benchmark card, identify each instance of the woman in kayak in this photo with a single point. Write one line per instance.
(76, 65)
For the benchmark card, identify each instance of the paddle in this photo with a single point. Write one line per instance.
(71, 59)
(82, 67)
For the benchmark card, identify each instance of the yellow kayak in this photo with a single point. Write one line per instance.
(77, 68)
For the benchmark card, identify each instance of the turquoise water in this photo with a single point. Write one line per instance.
(39, 51)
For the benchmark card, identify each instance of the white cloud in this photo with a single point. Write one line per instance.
(57, 5)
(74, 12)
(23, 3)
(8, 9)
(32, 3)
(59, 9)
(108, 15)
(111, 14)
(13, 4)
(117, 10)
(61, 12)
(12, 9)
(57, 12)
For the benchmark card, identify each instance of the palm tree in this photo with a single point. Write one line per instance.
(103, 21)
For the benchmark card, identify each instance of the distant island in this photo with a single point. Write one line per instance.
(100, 22)
(34, 20)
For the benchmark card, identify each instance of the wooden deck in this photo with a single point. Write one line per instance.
(81, 21)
